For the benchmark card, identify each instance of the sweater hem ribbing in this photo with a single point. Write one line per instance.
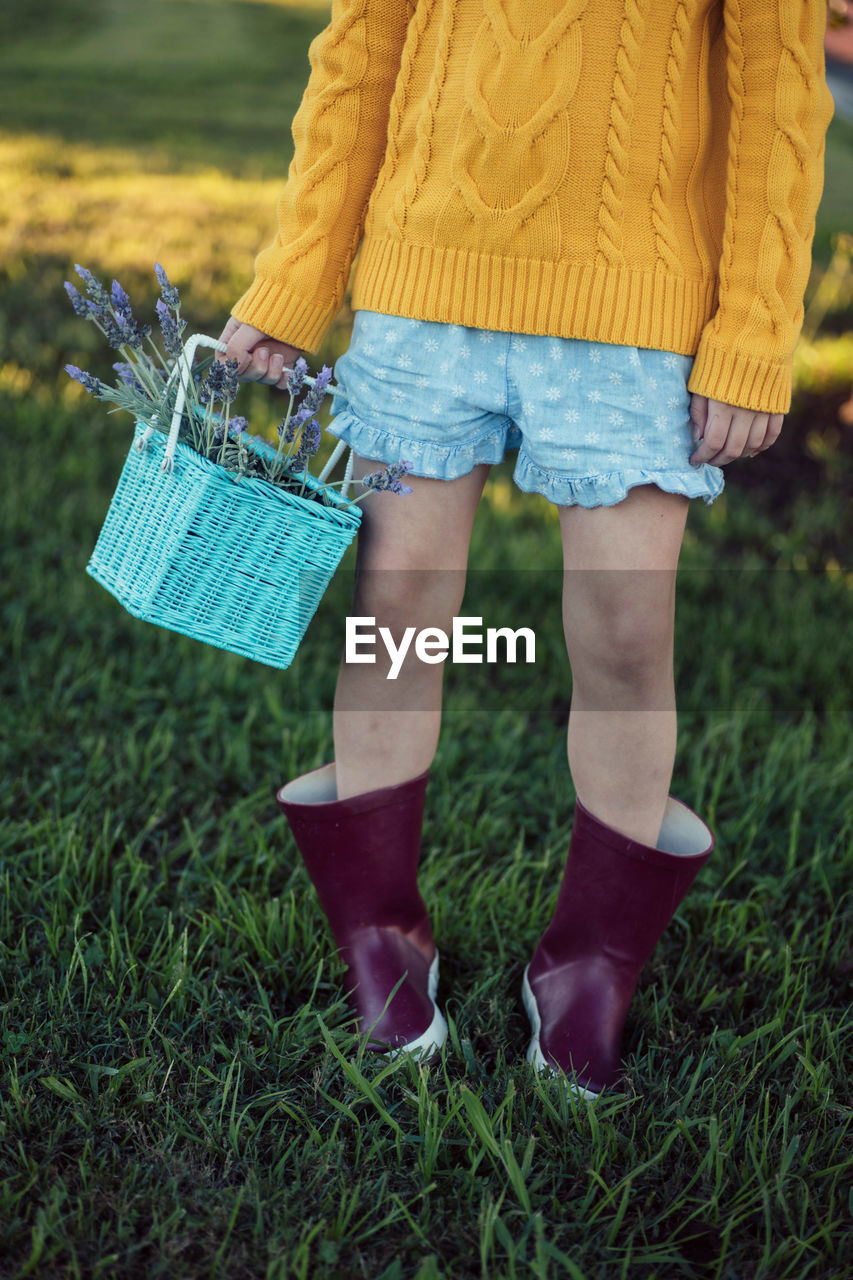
(515, 295)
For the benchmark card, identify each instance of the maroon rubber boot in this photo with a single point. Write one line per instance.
(616, 898)
(362, 856)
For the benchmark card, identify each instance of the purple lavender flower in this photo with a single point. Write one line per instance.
(308, 446)
(93, 309)
(111, 312)
(94, 288)
(121, 302)
(315, 394)
(81, 305)
(86, 380)
(134, 333)
(168, 292)
(296, 375)
(211, 387)
(390, 479)
(127, 375)
(230, 383)
(115, 335)
(288, 429)
(171, 328)
(311, 437)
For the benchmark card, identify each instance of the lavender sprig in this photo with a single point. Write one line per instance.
(94, 288)
(134, 333)
(111, 313)
(236, 427)
(168, 292)
(288, 428)
(171, 327)
(87, 380)
(308, 446)
(296, 376)
(388, 480)
(316, 394)
(81, 305)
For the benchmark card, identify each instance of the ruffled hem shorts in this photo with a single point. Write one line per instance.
(590, 420)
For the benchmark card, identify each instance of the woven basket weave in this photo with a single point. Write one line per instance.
(239, 565)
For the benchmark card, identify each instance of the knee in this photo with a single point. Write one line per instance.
(632, 646)
(399, 598)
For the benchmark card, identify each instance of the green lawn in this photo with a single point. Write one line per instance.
(179, 1093)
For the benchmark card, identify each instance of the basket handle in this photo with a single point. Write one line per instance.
(333, 457)
(184, 368)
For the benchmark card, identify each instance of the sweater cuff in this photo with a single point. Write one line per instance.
(743, 380)
(268, 306)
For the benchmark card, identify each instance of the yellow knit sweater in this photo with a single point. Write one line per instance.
(644, 172)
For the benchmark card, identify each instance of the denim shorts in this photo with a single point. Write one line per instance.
(590, 420)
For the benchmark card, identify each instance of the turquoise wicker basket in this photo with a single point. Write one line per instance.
(238, 565)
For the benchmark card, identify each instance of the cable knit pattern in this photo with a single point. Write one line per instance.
(666, 239)
(773, 183)
(737, 96)
(330, 104)
(426, 122)
(399, 102)
(644, 174)
(517, 90)
(787, 184)
(612, 208)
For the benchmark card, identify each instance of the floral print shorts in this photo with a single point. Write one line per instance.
(590, 420)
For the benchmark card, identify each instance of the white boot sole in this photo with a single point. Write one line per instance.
(535, 1056)
(436, 1033)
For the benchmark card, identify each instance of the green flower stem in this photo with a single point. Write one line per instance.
(224, 434)
(208, 427)
(143, 374)
(158, 353)
(284, 426)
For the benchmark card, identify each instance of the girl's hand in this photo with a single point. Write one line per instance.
(725, 431)
(259, 357)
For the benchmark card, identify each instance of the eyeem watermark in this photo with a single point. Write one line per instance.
(431, 644)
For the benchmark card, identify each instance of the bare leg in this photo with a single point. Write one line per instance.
(412, 558)
(618, 616)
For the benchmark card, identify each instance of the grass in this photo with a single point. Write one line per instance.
(180, 1094)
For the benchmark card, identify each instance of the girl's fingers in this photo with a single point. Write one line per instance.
(765, 431)
(698, 414)
(715, 436)
(241, 341)
(757, 435)
(772, 431)
(267, 365)
(259, 357)
(228, 333)
(728, 434)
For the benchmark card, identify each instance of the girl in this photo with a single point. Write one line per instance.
(585, 232)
